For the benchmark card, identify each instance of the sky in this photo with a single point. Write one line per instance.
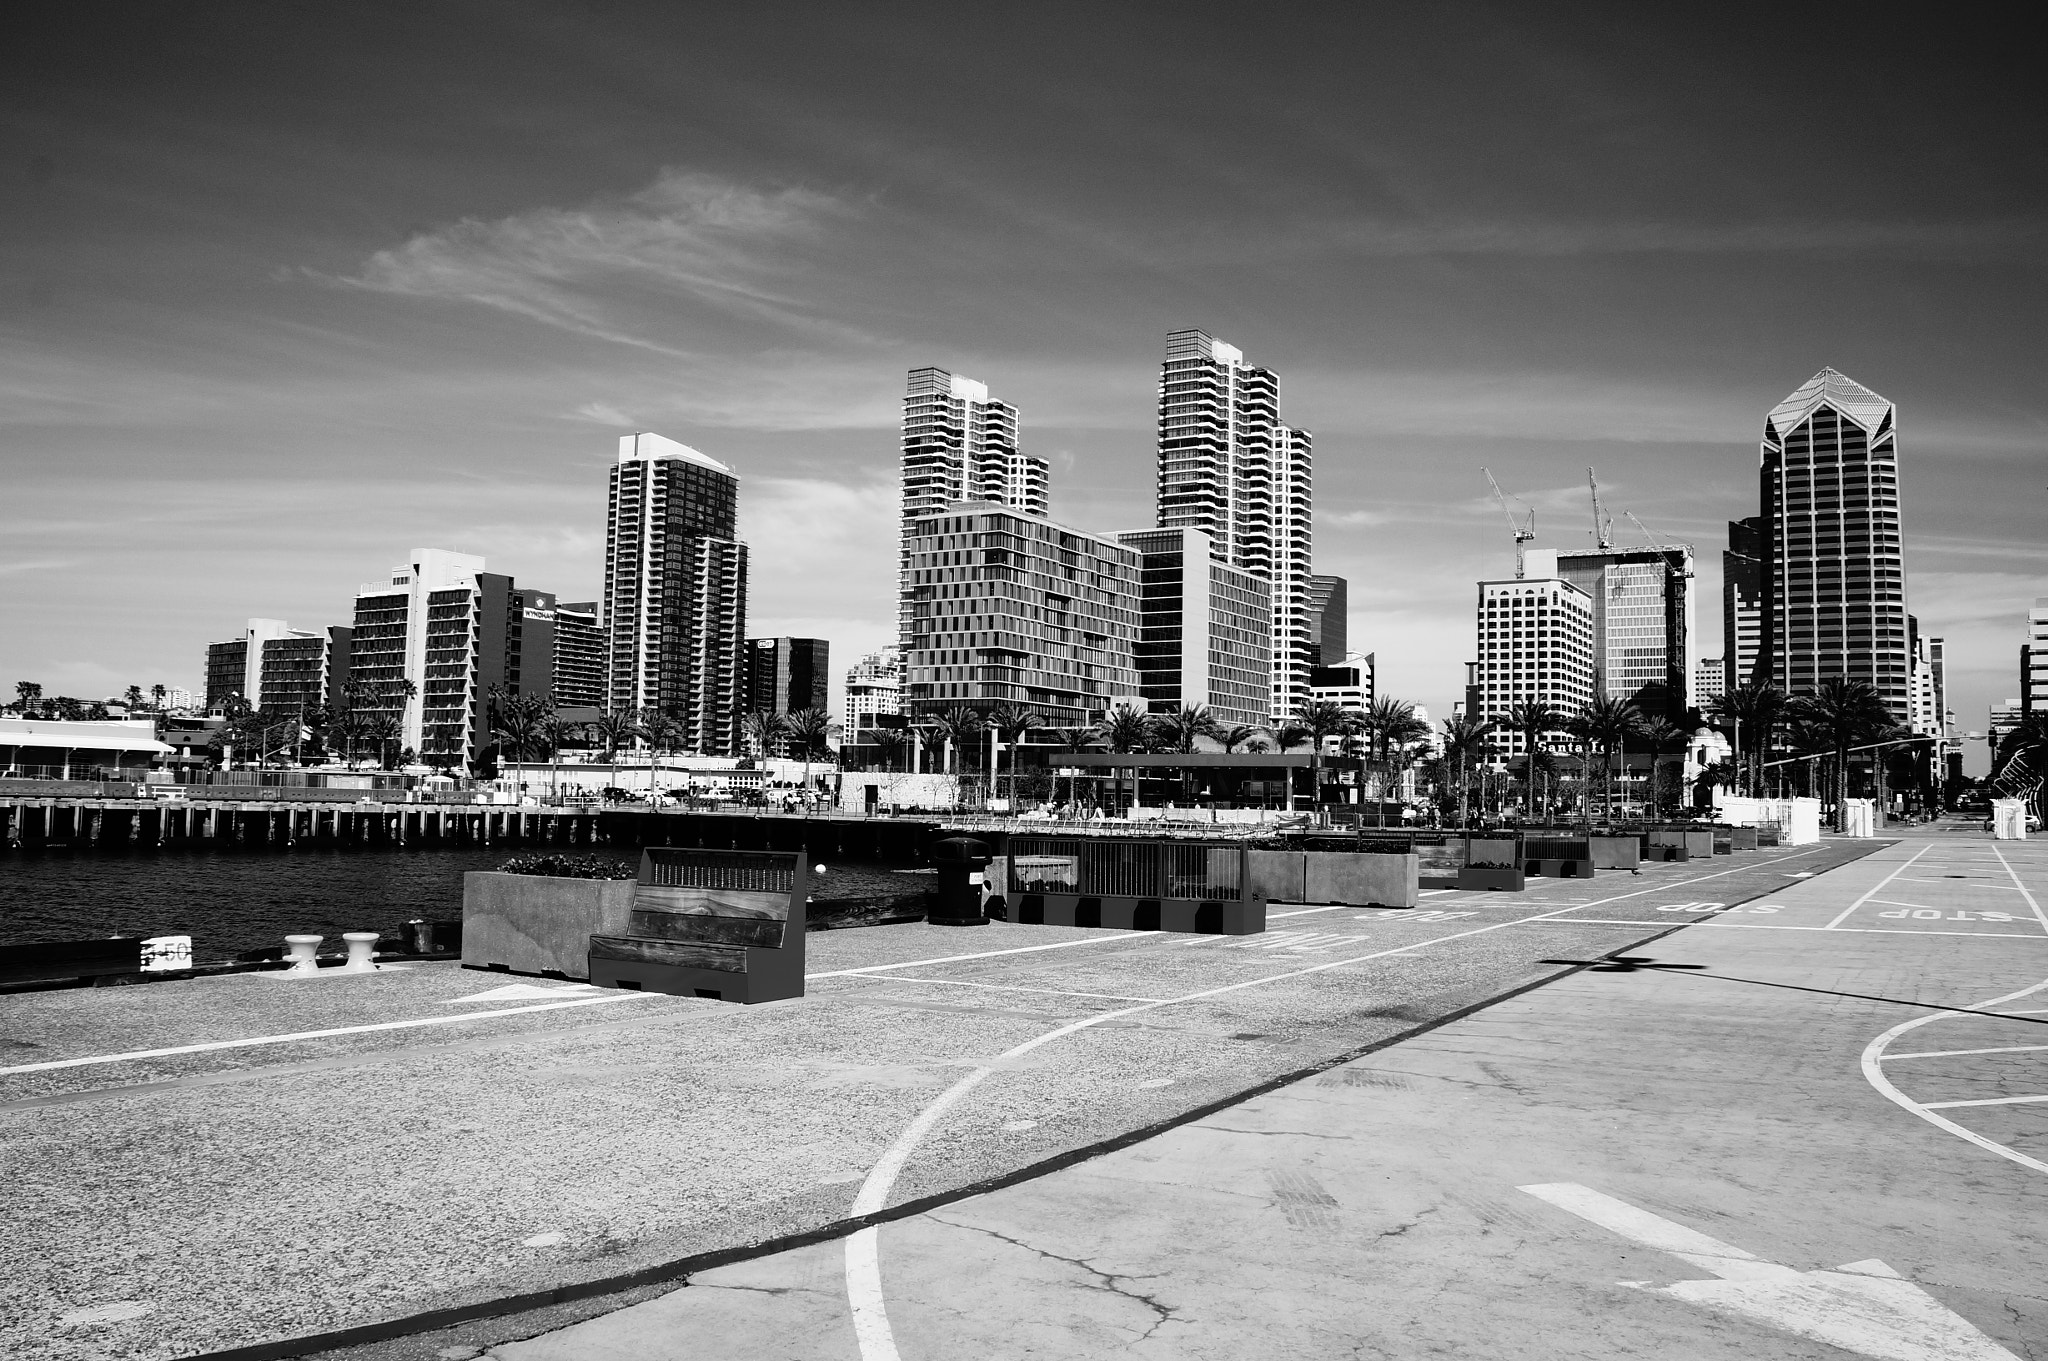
(287, 291)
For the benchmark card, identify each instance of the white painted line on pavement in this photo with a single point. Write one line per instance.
(863, 1247)
(984, 954)
(1873, 1053)
(999, 987)
(1988, 1101)
(456, 1019)
(2038, 914)
(1958, 1053)
(1716, 925)
(1864, 1307)
(1654, 1231)
(1880, 884)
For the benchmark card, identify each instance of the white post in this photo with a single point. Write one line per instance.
(360, 944)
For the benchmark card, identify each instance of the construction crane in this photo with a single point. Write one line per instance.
(1522, 532)
(1684, 570)
(1603, 523)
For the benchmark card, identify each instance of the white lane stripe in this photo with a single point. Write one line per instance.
(456, 1019)
(984, 954)
(1654, 1231)
(1879, 885)
(1958, 1053)
(1050, 992)
(863, 1248)
(1873, 1074)
(1991, 1101)
(1711, 923)
(2038, 914)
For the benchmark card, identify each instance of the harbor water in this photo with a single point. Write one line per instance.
(231, 901)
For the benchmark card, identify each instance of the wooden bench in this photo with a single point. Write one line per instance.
(721, 924)
(59, 961)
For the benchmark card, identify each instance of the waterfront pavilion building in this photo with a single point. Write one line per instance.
(1835, 598)
(1000, 605)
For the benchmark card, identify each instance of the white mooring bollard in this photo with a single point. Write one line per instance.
(360, 945)
(300, 953)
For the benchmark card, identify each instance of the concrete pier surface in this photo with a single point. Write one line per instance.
(243, 1161)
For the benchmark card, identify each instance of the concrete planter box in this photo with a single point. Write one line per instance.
(1615, 852)
(1360, 879)
(532, 924)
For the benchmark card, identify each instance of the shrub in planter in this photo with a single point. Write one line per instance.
(557, 866)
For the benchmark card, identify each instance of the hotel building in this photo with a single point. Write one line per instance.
(278, 668)
(874, 685)
(450, 628)
(1229, 468)
(675, 591)
(1835, 598)
(1003, 605)
(1205, 629)
(1535, 643)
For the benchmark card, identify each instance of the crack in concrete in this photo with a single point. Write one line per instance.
(1106, 1281)
(1289, 1133)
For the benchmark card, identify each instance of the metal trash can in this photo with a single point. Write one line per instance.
(962, 863)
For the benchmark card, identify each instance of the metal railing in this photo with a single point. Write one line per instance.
(755, 871)
(1115, 868)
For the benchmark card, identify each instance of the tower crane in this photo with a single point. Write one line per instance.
(1522, 532)
(1684, 570)
(1603, 523)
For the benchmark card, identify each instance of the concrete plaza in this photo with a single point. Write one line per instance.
(259, 1160)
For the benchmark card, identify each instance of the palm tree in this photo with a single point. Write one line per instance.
(157, 693)
(1178, 729)
(1321, 718)
(384, 729)
(663, 734)
(1839, 714)
(613, 729)
(1074, 740)
(1661, 736)
(1532, 720)
(1392, 726)
(763, 730)
(133, 695)
(1759, 711)
(1465, 739)
(1127, 729)
(808, 729)
(1234, 737)
(1009, 722)
(890, 742)
(516, 721)
(1608, 724)
(957, 726)
(931, 742)
(556, 730)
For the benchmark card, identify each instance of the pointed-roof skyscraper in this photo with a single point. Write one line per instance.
(1835, 597)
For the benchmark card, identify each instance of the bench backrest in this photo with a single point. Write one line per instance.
(728, 897)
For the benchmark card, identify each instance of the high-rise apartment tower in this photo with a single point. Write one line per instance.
(1230, 468)
(675, 591)
(1742, 601)
(1835, 582)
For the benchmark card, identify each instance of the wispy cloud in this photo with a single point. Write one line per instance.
(686, 237)
(1537, 238)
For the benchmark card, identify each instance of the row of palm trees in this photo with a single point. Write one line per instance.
(1837, 717)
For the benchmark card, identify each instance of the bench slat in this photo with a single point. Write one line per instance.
(694, 955)
(696, 926)
(714, 902)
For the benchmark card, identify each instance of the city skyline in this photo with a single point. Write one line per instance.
(265, 335)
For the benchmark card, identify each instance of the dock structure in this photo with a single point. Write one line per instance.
(110, 824)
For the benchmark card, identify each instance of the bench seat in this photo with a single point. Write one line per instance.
(682, 954)
(727, 925)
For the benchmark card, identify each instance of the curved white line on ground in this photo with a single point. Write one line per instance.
(863, 1248)
(1873, 1055)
